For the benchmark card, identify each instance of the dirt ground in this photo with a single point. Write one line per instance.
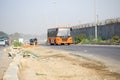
(60, 65)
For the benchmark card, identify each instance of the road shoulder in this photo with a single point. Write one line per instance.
(60, 65)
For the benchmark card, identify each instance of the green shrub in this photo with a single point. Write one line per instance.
(83, 39)
(86, 41)
(115, 39)
(94, 40)
(80, 38)
(17, 44)
(99, 39)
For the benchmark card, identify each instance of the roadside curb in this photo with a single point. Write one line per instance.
(13, 73)
(99, 45)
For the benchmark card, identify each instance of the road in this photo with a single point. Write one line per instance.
(4, 61)
(1, 50)
(110, 55)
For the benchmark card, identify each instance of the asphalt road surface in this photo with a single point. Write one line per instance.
(110, 55)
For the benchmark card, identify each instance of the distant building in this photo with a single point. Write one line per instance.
(21, 40)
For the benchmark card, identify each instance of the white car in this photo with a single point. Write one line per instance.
(2, 42)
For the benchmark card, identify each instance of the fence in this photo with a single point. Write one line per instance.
(105, 29)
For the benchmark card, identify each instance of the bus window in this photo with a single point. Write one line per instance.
(64, 32)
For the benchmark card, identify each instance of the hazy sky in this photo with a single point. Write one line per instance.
(36, 16)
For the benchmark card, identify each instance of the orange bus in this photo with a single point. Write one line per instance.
(59, 36)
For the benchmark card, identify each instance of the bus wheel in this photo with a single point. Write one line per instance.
(51, 44)
(56, 44)
(68, 43)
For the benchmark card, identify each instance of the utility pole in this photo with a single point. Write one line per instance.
(95, 14)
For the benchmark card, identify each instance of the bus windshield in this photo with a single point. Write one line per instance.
(63, 32)
(52, 32)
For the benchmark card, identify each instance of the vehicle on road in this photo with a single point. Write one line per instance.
(6, 39)
(2, 42)
(33, 41)
(60, 35)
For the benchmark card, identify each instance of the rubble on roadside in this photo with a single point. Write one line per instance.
(17, 54)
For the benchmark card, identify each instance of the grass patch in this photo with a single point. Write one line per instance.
(38, 74)
(82, 39)
(31, 53)
(17, 44)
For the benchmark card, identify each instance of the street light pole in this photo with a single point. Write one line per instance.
(95, 14)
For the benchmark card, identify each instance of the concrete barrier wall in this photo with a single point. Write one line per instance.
(105, 31)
